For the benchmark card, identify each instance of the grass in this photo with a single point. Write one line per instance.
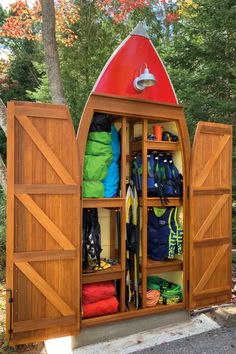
(37, 348)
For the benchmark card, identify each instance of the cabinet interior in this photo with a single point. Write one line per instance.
(134, 133)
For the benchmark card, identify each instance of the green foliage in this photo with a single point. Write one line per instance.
(202, 63)
(81, 64)
(21, 73)
(41, 93)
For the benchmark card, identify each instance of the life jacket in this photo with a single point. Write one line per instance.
(164, 234)
(163, 177)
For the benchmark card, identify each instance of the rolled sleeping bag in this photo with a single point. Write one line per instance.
(101, 308)
(97, 291)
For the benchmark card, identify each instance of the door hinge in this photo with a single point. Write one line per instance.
(188, 286)
(10, 301)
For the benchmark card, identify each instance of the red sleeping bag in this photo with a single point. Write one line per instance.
(97, 291)
(101, 308)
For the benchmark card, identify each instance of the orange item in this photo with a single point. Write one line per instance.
(157, 131)
(152, 298)
(101, 308)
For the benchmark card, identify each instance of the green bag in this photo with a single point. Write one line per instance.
(100, 137)
(95, 148)
(95, 167)
(93, 189)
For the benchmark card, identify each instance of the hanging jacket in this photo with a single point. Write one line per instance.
(165, 236)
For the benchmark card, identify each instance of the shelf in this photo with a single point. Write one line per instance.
(113, 273)
(103, 202)
(171, 265)
(155, 145)
(120, 316)
(156, 202)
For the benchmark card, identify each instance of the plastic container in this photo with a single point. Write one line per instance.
(157, 131)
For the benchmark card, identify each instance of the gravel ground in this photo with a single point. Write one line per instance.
(218, 341)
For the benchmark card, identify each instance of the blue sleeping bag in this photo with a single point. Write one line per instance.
(111, 182)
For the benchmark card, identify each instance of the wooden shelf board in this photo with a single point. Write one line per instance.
(171, 265)
(103, 202)
(155, 145)
(90, 322)
(156, 202)
(113, 273)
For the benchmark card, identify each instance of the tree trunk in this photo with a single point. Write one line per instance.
(3, 117)
(51, 53)
(3, 175)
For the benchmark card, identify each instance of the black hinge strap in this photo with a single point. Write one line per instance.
(10, 300)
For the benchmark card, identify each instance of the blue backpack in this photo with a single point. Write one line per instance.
(163, 180)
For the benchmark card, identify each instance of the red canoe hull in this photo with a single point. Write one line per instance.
(126, 63)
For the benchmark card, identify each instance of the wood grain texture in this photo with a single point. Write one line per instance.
(10, 209)
(45, 189)
(44, 288)
(210, 215)
(45, 150)
(44, 220)
(45, 202)
(25, 326)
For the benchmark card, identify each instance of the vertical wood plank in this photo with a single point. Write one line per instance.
(144, 213)
(10, 207)
(123, 157)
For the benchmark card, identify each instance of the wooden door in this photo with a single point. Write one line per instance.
(43, 223)
(210, 215)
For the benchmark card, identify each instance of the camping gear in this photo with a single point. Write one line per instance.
(100, 308)
(111, 181)
(98, 156)
(98, 291)
(98, 299)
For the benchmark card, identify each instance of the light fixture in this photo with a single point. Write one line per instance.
(144, 80)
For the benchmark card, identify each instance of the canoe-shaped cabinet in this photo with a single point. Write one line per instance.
(83, 251)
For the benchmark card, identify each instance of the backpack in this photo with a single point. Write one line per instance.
(163, 180)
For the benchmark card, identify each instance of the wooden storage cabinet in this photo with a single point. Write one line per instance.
(134, 139)
(44, 228)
